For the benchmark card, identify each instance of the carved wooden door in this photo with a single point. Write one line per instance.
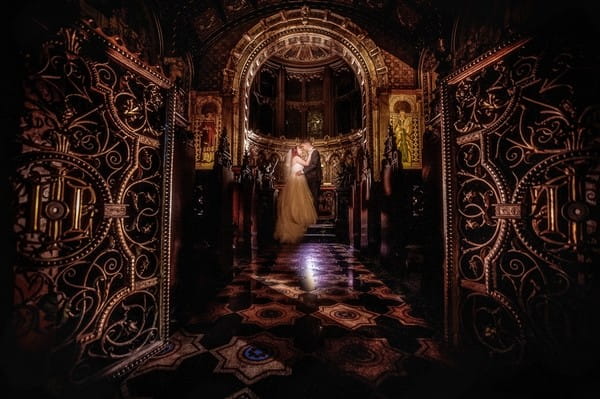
(92, 208)
(521, 187)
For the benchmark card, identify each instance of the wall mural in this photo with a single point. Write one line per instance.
(406, 124)
(90, 190)
(206, 119)
(521, 176)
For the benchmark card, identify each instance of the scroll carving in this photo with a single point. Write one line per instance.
(89, 205)
(523, 197)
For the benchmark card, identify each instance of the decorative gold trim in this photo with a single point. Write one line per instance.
(448, 178)
(483, 61)
(119, 228)
(262, 39)
(468, 138)
(101, 320)
(508, 211)
(107, 161)
(140, 285)
(115, 211)
(283, 144)
(117, 51)
(166, 210)
(149, 141)
(120, 370)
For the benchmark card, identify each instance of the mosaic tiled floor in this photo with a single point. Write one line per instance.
(305, 321)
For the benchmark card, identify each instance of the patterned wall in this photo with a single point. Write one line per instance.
(214, 57)
(401, 75)
(210, 76)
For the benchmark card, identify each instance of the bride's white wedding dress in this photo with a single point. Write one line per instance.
(295, 207)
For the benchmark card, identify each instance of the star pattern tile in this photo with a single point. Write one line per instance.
(371, 359)
(292, 317)
(402, 314)
(336, 293)
(270, 314)
(232, 290)
(245, 393)
(181, 346)
(266, 292)
(287, 290)
(255, 357)
(369, 278)
(385, 292)
(350, 317)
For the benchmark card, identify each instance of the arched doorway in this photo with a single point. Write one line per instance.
(283, 30)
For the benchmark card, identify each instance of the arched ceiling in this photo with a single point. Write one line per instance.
(306, 52)
(208, 29)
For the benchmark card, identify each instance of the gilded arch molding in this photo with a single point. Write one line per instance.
(274, 33)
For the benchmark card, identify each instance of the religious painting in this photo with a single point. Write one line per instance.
(405, 122)
(206, 126)
(315, 123)
(327, 204)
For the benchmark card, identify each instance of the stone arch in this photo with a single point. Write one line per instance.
(272, 33)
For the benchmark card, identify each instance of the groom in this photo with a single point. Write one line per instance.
(313, 172)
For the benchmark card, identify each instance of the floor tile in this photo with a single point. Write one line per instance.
(298, 321)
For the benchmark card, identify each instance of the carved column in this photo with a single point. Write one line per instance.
(329, 103)
(391, 244)
(265, 190)
(354, 212)
(243, 205)
(229, 125)
(223, 176)
(254, 218)
(344, 180)
(364, 200)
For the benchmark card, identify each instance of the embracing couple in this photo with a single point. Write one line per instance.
(298, 201)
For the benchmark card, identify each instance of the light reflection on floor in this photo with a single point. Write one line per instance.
(306, 321)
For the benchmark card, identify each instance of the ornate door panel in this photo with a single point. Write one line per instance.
(92, 199)
(521, 154)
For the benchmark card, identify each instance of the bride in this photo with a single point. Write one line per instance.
(295, 207)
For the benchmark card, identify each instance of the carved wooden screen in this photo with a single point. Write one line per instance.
(521, 184)
(92, 204)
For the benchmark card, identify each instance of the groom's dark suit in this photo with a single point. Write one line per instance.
(314, 176)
